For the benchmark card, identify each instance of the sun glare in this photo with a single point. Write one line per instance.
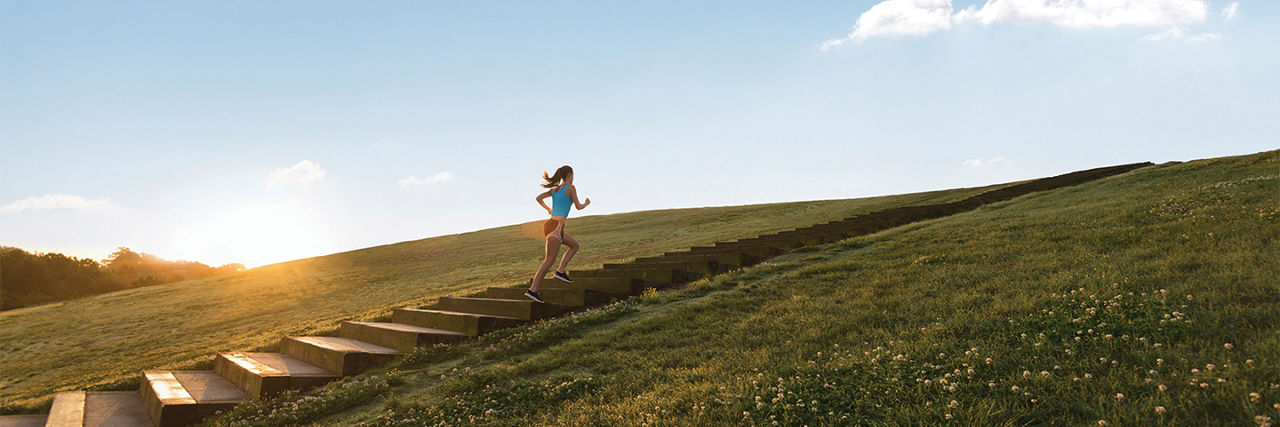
(253, 235)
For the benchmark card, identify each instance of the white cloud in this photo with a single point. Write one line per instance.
(1177, 34)
(994, 161)
(1087, 13)
(303, 175)
(58, 202)
(923, 17)
(898, 17)
(1230, 12)
(414, 180)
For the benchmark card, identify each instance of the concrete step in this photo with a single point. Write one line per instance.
(525, 309)
(803, 240)
(68, 408)
(782, 244)
(96, 408)
(725, 259)
(23, 420)
(342, 356)
(554, 292)
(615, 286)
(179, 398)
(702, 267)
(855, 227)
(400, 336)
(267, 374)
(470, 324)
(823, 236)
(842, 228)
(651, 276)
(755, 251)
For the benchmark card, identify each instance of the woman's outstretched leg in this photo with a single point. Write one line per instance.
(568, 255)
(553, 249)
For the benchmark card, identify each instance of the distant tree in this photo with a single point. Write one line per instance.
(145, 281)
(28, 278)
(33, 278)
(123, 259)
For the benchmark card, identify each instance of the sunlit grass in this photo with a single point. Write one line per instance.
(105, 341)
(1148, 298)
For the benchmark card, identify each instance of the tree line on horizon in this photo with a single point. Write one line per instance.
(31, 278)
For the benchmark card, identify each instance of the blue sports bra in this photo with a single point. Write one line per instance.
(560, 202)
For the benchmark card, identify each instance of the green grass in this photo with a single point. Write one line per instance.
(104, 341)
(1148, 298)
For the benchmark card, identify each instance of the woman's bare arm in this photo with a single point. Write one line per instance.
(573, 195)
(540, 199)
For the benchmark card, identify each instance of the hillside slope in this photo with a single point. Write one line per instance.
(100, 345)
(1139, 299)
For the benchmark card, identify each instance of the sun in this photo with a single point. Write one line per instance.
(254, 235)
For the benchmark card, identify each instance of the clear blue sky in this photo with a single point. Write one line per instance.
(264, 131)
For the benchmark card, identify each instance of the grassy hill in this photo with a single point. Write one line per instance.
(103, 342)
(1150, 297)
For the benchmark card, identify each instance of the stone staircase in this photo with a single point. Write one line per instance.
(177, 398)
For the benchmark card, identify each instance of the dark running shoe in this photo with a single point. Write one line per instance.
(533, 295)
(564, 277)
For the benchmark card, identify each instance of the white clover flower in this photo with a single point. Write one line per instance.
(1160, 410)
(1162, 387)
(1119, 396)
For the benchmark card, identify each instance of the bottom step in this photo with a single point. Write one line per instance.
(97, 408)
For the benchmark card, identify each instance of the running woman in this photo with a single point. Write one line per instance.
(562, 193)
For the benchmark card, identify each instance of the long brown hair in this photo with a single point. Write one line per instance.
(557, 179)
